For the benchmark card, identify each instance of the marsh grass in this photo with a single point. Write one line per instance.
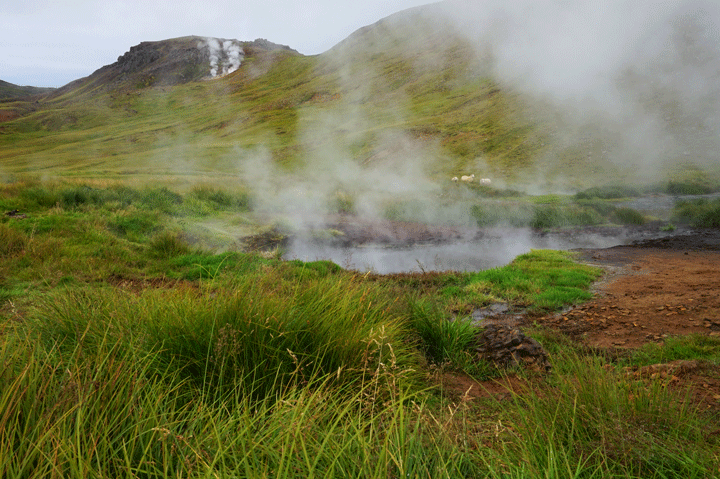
(628, 216)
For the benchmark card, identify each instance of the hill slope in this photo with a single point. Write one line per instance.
(407, 93)
(10, 91)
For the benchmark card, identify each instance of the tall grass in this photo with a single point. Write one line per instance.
(110, 412)
(71, 410)
(263, 333)
(596, 422)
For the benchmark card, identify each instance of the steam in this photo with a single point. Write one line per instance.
(629, 84)
(225, 57)
(641, 79)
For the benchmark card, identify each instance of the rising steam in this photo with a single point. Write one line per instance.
(225, 57)
(638, 81)
(641, 77)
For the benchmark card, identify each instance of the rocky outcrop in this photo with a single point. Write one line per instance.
(175, 61)
(509, 347)
(137, 57)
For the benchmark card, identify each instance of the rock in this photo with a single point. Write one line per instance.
(508, 347)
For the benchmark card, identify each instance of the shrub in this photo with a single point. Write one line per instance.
(699, 213)
(607, 192)
(688, 188)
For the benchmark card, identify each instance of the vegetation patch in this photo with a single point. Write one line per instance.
(701, 213)
(542, 280)
(127, 351)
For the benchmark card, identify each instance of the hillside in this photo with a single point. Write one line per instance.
(9, 91)
(410, 93)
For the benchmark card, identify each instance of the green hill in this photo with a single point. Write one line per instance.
(8, 91)
(409, 87)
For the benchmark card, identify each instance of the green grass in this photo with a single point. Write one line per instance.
(129, 351)
(542, 280)
(693, 347)
(701, 213)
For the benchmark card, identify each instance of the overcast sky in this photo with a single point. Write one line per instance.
(51, 43)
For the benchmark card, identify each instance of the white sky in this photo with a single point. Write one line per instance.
(51, 43)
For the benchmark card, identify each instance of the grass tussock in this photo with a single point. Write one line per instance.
(700, 213)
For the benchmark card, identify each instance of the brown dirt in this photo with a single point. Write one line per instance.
(651, 290)
(647, 294)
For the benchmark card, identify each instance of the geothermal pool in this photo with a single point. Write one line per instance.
(399, 247)
(486, 252)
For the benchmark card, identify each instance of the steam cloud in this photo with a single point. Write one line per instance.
(225, 57)
(642, 77)
(646, 74)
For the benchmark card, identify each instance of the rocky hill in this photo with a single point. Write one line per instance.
(417, 92)
(175, 61)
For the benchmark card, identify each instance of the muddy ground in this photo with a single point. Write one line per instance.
(652, 289)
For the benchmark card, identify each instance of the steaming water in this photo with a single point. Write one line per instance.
(457, 256)
(496, 247)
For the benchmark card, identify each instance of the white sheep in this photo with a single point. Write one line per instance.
(468, 179)
(485, 181)
(454, 179)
